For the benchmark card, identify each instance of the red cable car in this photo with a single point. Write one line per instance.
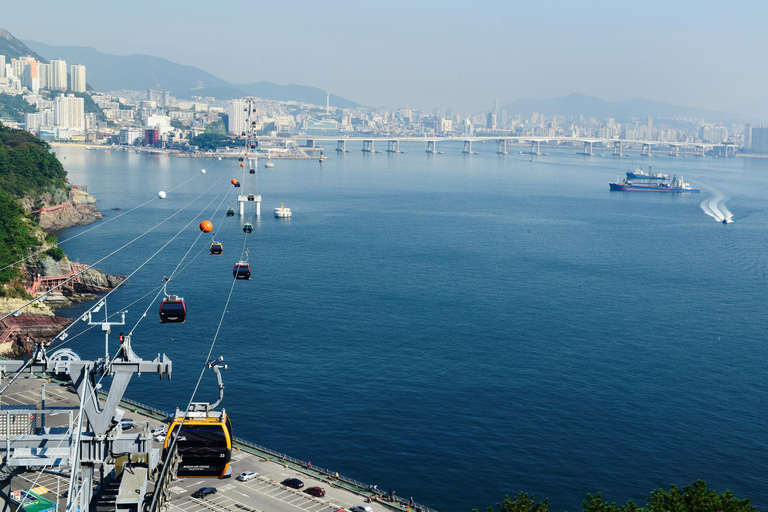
(173, 310)
(242, 270)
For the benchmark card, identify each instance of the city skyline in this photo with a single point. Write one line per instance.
(427, 54)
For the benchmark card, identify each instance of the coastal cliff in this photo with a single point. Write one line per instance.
(35, 198)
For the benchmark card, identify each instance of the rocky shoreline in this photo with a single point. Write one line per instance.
(38, 322)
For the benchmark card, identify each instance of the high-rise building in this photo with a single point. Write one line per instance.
(711, 133)
(2, 66)
(747, 137)
(29, 77)
(69, 112)
(59, 75)
(77, 72)
(759, 139)
(491, 121)
(238, 117)
(17, 67)
(44, 74)
(650, 128)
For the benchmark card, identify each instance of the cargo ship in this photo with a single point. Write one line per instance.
(639, 174)
(675, 186)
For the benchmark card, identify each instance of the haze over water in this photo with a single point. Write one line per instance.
(458, 328)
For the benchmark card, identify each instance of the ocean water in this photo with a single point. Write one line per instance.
(458, 328)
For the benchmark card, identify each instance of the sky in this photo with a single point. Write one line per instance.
(425, 53)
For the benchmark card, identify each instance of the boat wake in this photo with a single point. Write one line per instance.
(716, 208)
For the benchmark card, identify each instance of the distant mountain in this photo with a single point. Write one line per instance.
(13, 48)
(577, 104)
(139, 72)
(757, 109)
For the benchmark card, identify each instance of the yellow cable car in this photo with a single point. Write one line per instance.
(204, 441)
(216, 248)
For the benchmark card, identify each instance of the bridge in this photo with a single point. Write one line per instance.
(589, 143)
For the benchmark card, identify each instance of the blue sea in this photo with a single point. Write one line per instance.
(453, 327)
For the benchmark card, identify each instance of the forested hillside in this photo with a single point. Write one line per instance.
(27, 171)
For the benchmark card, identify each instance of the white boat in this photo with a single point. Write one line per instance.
(282, 212)
(269, 163)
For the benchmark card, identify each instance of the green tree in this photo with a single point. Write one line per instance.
(697, 498)
(692, 498)
(596, 504)
(521, 503)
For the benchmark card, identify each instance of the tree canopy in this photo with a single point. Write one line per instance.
(696, 497)
(26, 165)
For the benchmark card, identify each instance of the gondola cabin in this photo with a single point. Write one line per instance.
(216, 248)
(242, 270)
(252, 171)
(251, 197)
(204, 443)
(173, 310)
(230, 212)
(247, 227)
(237, 185)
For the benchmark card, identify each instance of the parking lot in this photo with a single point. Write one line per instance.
(261, 494)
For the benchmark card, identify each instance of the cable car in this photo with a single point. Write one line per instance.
(252, 171)
(237, 185)
(242, 270)
(230, 212)
(204, 442)
(241, 158)
(247, 227)
(251, 197)
(173, 310)
(216, 248)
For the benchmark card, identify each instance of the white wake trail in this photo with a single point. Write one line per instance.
(716, 208)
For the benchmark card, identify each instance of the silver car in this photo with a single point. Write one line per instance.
(248, 475)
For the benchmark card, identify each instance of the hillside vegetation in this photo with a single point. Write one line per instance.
(27, 170)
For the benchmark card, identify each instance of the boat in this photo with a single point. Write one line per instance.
(269, 163)
(639, 174)
(675, 186)
(282, 212)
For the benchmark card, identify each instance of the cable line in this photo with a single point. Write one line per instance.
(97, 225)
(107, 256)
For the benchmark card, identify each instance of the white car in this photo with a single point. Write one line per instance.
(361, 508)
(248, 475)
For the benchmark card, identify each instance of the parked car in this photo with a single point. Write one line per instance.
(127, 424)
(247, 475)
(316, 491)
(361, 508)
(203, 492)
(294, 482)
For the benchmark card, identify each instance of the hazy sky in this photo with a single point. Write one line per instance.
(424, 53)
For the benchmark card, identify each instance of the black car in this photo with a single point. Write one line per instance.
(203, 492)
(293, 482)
